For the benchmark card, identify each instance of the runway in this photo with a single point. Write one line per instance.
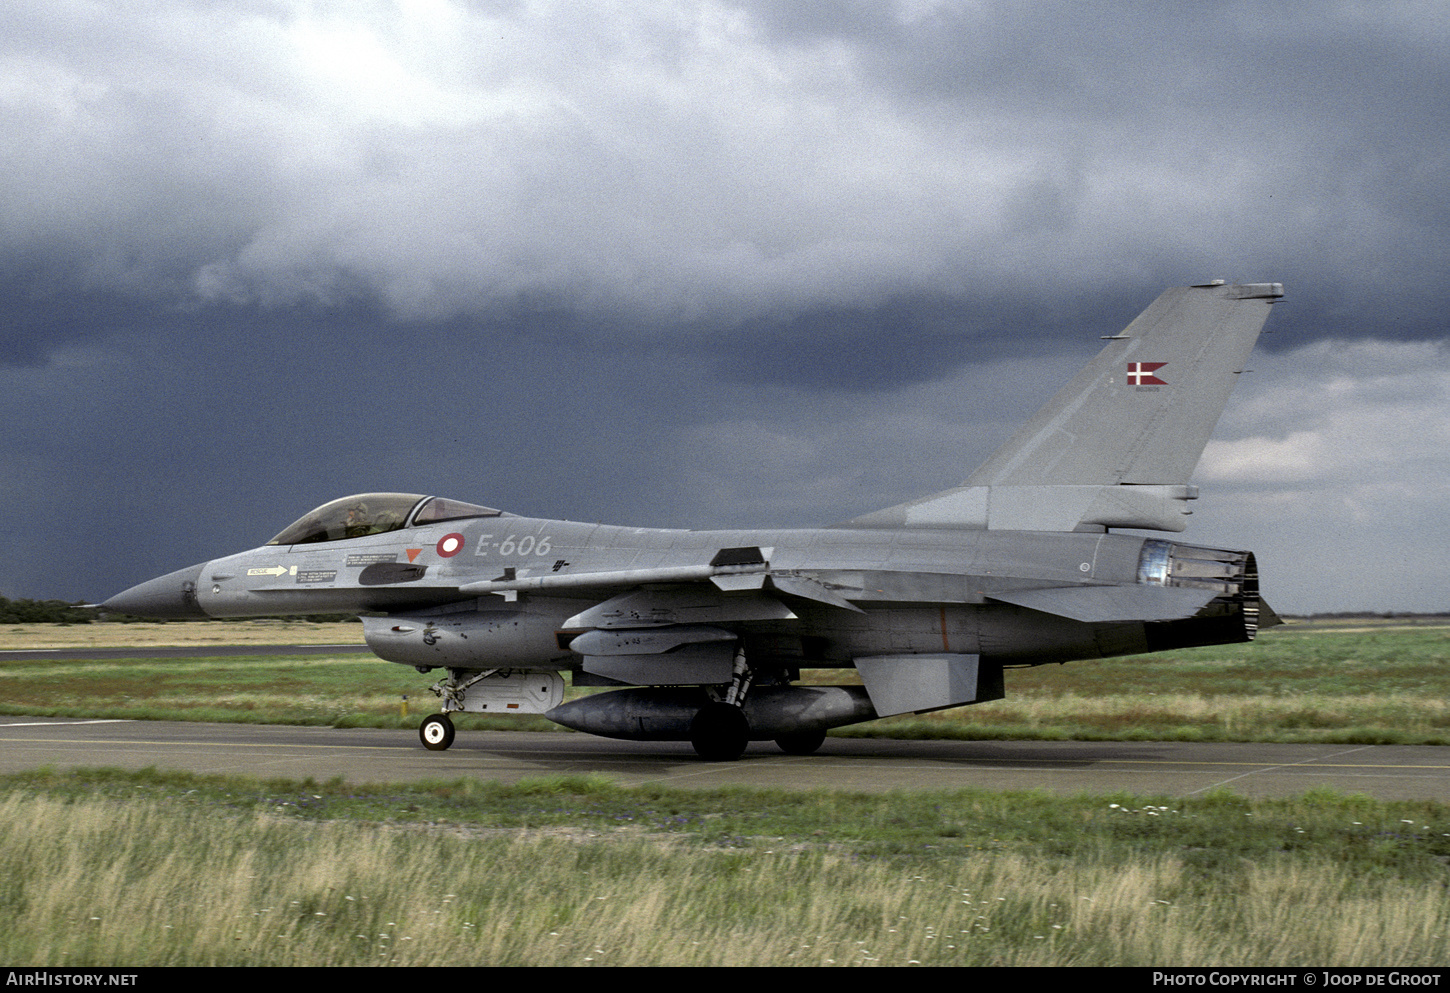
(1175, 769)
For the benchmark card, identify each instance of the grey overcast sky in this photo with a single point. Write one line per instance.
(703, 263)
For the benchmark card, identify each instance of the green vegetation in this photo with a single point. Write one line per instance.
(107, 868)
(43, 612)
(347, 691)
(1385, 682)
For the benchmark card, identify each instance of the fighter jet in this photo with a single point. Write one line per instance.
(701, 636)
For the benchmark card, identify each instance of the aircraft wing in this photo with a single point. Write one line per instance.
(733, 571)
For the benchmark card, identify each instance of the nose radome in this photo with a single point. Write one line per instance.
(168, 597)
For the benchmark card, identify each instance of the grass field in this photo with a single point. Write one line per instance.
(1387, 682)
(267, 631)
(112, 868)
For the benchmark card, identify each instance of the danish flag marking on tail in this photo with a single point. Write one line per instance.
(1141, 374)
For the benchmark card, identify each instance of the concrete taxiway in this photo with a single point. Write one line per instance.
(873, 765)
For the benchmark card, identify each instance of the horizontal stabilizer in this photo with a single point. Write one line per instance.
(1107, 604)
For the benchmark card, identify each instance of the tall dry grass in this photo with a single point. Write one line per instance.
(1404, 717)
(102, 882)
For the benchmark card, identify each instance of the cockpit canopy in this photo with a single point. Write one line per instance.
(375, 513)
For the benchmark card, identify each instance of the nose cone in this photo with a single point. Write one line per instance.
(168, 597)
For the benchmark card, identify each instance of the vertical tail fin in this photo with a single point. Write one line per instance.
(1115, 447)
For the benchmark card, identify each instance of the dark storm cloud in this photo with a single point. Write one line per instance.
(666, 263)
(698, 169)
(910, 339)
(1306, 132)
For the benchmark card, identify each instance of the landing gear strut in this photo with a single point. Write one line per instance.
(720, 731)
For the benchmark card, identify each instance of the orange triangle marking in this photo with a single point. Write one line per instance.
(413, 553)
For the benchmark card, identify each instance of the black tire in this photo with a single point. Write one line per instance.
(801, 743)
(436, 733)
(720, 732)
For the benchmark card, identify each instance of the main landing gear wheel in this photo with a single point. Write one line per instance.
(720, 732)
(436, 732)
(801, 743)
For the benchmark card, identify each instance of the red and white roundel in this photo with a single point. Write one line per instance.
(450, 545)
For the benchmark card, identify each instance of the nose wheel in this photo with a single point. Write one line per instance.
(436, 732)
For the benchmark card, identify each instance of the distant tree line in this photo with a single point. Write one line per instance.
(44, 612)
(1369, 615)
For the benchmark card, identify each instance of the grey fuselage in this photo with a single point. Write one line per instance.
(915, 590)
